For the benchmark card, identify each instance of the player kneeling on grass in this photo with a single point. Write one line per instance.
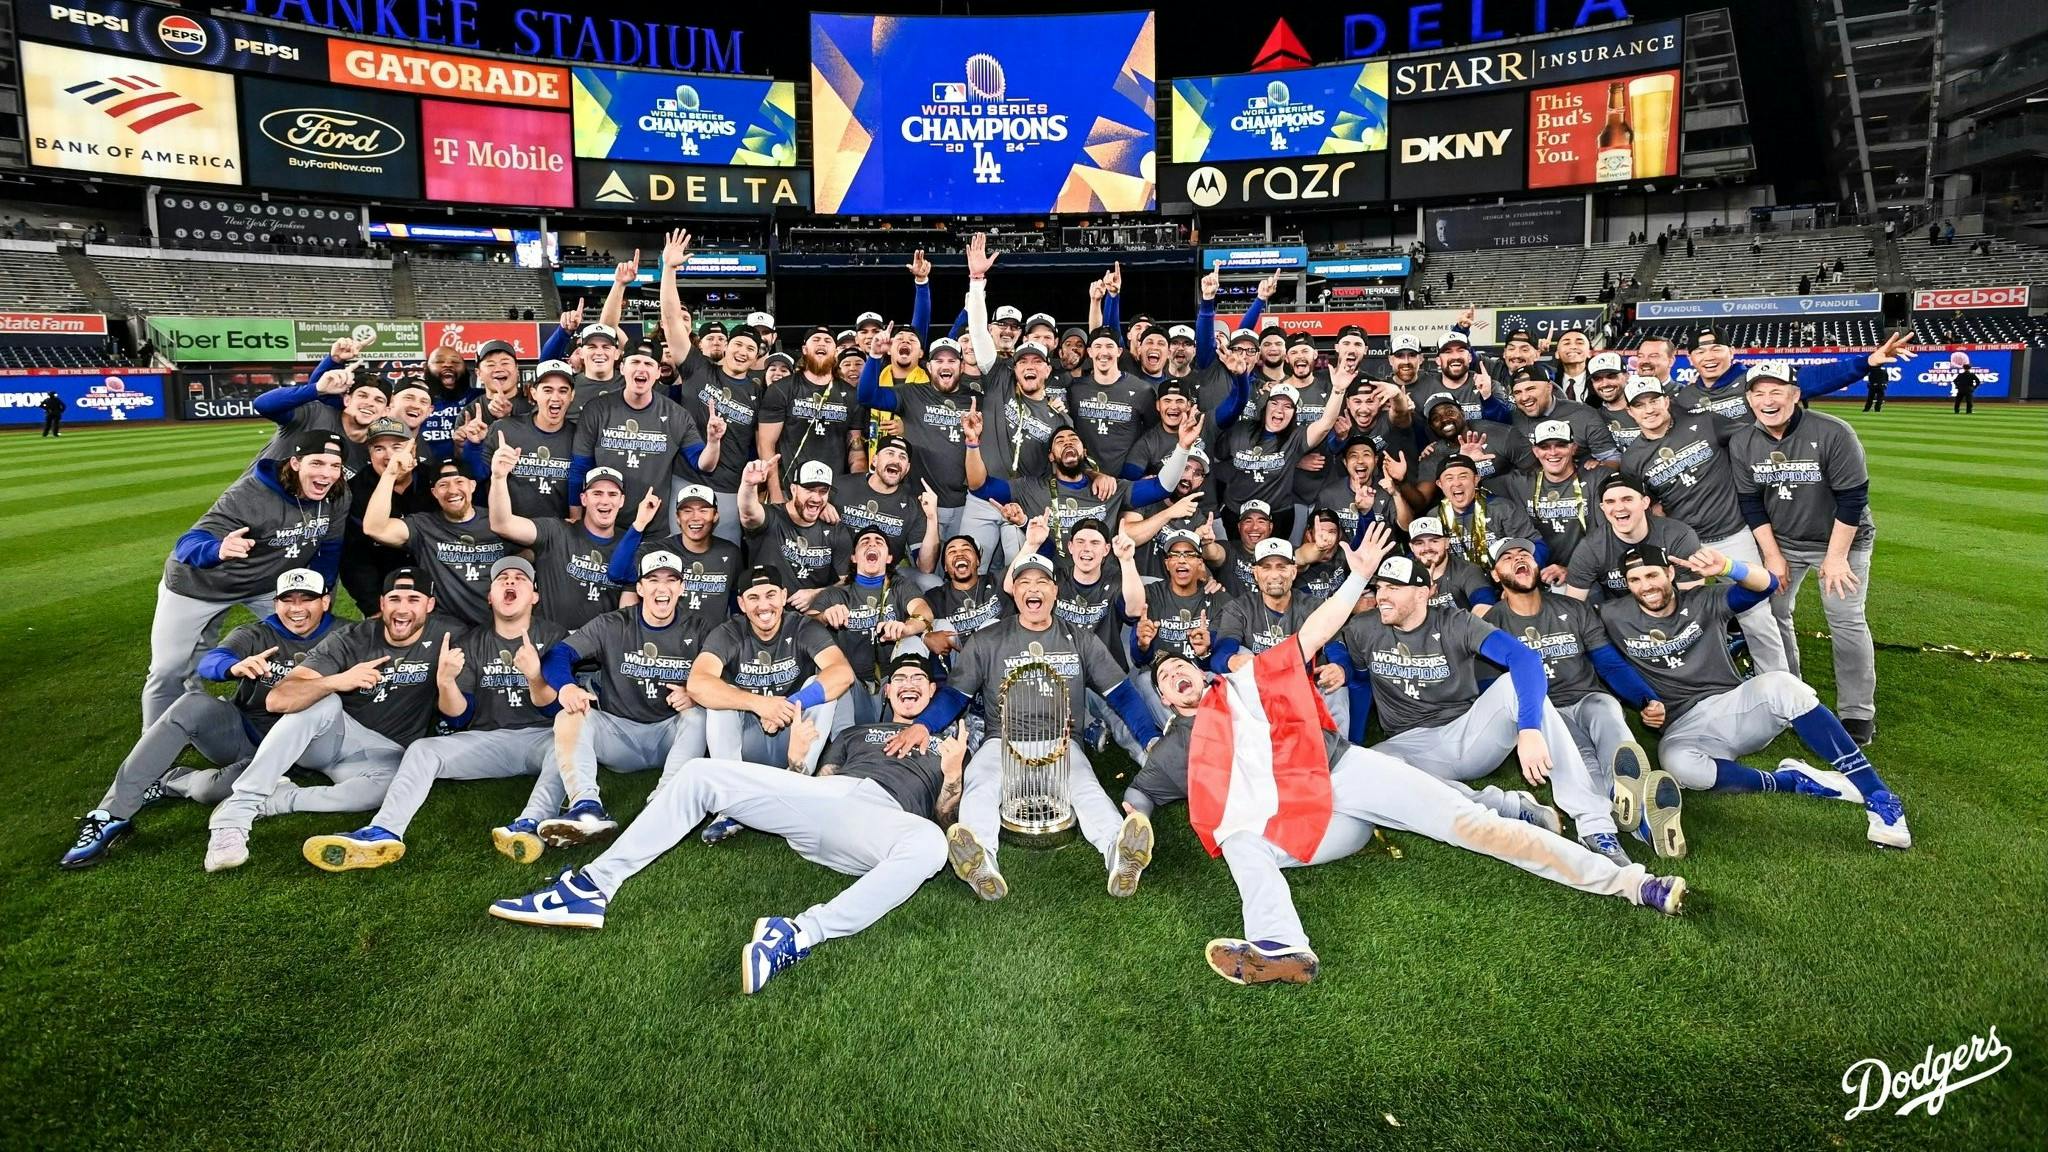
(1708, 714)
(509, 711)
(1271, 785)
(226, 731)
(362, 694)
(870, 812)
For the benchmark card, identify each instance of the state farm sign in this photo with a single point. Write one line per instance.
(1969, 299)
(479, 155)
(53, 323)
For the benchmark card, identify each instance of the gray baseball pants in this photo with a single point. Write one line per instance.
(1848, 627)
(1760, 624)
(182, 630)
(1731, 726)
(981, 800)
(208, 723)
(492, 755)
(619, 744)
(1598, 726)
(361, 762)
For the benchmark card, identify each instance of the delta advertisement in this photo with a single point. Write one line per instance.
(91, 399)
(341, 141)
(1835, 304)
(1286, 258)
(983, 114)
(479, 155)
(657, 118)
(1302, 112)
(1604, 131)
(1931, 374)
(123, 117)
(176, 36)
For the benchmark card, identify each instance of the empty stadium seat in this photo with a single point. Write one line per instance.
(33, 281)
(171, 285)
(1951, 265)
(463, 289)
(1525, 275)
(1724, 266)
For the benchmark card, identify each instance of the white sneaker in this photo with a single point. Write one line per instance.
(1534, 811)
(226, 848)
(1821, 782)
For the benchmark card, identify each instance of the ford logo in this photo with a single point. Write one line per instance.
(332, 132)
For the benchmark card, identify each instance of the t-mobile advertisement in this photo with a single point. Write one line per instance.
(484, 155)
(1604, 131)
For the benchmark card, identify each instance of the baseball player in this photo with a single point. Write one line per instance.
(1625, 522)
(1365, 487)
(365, 562)
(1254, 621)
(1561, 496)
(1423, 665)
(454, 544)
(1110, 407)
(811, 417)
(1366, 788)
(1036, 635)
(1190, 509)
(1232, 561)
(714, 563)
(1454, 581)
(348, 710)
(642, 435)
(1473, 517)
(304, 407)
(453, 391)
(1684, 464)
(1804, 488)
(1264, 452)
(506, 725)
(1074, 492)
(1608, 380)
(795, 537)
(930, 421)
(757, 672)
(871, 614)
(572, 562)
(225, 731)
(970, 599)
(882, 497)
(1536, 401)
(1496, 450)
(1177, 614)
(1709, 715)
(539, 482)
(869, 813)
(280, 515)
(639, 717)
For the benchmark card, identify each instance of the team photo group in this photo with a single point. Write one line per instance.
(882, 590)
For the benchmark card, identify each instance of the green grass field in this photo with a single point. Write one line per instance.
(1463, 1004)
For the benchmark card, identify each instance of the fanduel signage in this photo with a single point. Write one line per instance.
(1839, 304)
(493, 27)
(1440, 24)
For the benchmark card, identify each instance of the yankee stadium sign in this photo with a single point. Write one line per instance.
(491, 27)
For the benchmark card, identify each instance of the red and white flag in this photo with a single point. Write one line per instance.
(1256, 759)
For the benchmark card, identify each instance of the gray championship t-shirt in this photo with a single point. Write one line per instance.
(645, 445)
(539, 483)
(931, 425)
(914, 780)
(569, 565)
(1177, 616)
(1688, 473)
(1509, 453)
(287, 533)
(1423, 678)
(1260, 465)
(1797, 477)
(500, 694)
(816, 421)
(1563, 511)
(1247, 620)
(707, 577)
(1097, 607)
(459, 558)
(1455, 587)
(1684, 656)
(1596, 562)
(1110, 417)
(973, 608)
(739, 402)
(1076, 656)
(260, 636)
(896, 513)
(401, 707)
(808, 556)
(867, 609)
(1504, 517)
(776, 666)
(1564, 632)
(636, 662)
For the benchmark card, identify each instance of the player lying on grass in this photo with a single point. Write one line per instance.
(1271, 785)
(1708, 714)
(869, 812)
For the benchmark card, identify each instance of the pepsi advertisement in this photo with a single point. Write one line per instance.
(1304, 112)
(663, 118)
(1000, 115)
(176, 37)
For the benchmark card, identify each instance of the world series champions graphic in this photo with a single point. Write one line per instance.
(966, 114)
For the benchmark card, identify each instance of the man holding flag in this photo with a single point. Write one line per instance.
(1271, 785)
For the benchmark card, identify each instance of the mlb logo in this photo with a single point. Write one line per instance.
(1256, 102)
(949, 93)
(664, 104)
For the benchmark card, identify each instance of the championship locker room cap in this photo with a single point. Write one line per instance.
(960, 538)
(553, 368)
(1768, 370)
(1243, 336)
(1298, 339)
(1089, 522)
(782, 358)
(845, 336)
(1030, 348)
(867, 320)
(493, 347)
(875, 530)
(851, 353)
(944, 345)
(1287, 392)
(1520, 336)
(448, 466)
(384, 427)
(743, 330)
(597, 332)
(1041, 320)
(818, 330)
(1425, 526)
(1621, 479)
(1604, 363)
(1273, 330)
(1176, 388)
(1552, 431)
(1075, 333)
(1707, 336)
(1457, 460)
(1350, 330)
(1254, 508)
(909, 661)
(1034, 563)
(1453, 337)
(408, 579)
(1104, 332)
(314, 442)
(1272, 548)
(1404, 571)
(1405, 343)
(1644, 556)
(1506, 544)
(759, 576)
(512, 564)
(1173, 536)
(1180, 333)
(814, 474)
(1641, 386)
(410, 383)
(1360, 440)
(662, 561)
(700, 493)
(301, 581)
(647, 350)
(1436, 398)
(1009, 313)
(760, 320)
(363, 377)
(1528, 372)
(602, 473)
(896, 442)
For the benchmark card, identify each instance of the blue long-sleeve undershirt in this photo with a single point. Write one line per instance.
(1113, 316)
(279, 403)
(327, 560)
(959, 325)
(620, 569)
(558, 665)
(461, 719)
(1233, 404)
(1136, 714)
(921, 311)
(945, 706)
(870, 390)
(1205, 334)
(1622, 676)
(556, 346)
(1742, 599)
(197, 548)
(215, 664)
(1525, 668)
(1221, 649)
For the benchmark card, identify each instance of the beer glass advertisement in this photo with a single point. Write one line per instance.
(1604, 131)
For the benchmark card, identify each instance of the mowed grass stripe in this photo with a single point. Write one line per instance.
(131, 442)
(218, 468)
(226, 460)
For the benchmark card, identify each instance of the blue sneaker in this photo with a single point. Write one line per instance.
(583, 822)
(1887, 820)
(1260, 961)
(370, 847)
(97, 832)
(721, 828)
(1664, 893)
(519, 840)
(1609, 845)
(773, 948)
(570, 902)
(1662, 809)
